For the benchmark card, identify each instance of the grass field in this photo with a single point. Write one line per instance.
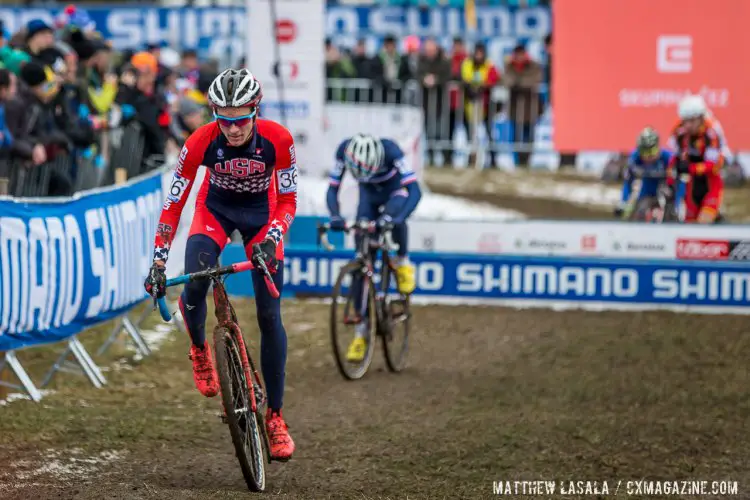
(490, 394)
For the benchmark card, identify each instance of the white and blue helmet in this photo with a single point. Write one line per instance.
(364, 156)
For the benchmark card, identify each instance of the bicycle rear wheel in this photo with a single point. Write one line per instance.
(243, 423)
(394, 321)
(344, 318)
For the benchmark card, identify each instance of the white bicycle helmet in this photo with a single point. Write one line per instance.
(692, 106)
(235, 88)
(364, 156)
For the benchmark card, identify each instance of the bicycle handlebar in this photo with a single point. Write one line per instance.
(362, 226)
(255, 262)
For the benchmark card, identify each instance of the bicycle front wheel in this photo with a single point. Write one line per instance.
(353, 305)
(394, 322)
(243, 423)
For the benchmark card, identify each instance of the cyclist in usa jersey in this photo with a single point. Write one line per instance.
(250, 186)
(388, 194)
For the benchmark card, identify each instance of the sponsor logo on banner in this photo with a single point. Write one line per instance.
(588, 242)
(674, 54)
(643, 78)
(501, 27)
(286, 31)
(739, 250)
(489, 243)
(288, 70)
(537, 244)
(292, 109)
(639, 247)
(67, 265)
(694, 249)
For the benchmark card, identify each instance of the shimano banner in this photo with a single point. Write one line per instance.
(66, 265)
(540, 279)
(220, 32)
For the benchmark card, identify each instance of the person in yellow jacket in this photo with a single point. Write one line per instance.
(478, 76)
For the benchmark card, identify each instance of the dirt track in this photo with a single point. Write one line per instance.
(491, 394)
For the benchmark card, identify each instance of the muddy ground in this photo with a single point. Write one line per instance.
(490, 394)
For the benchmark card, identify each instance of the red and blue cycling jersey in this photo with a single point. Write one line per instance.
(258, 181)
(652, 174)
(395, 177)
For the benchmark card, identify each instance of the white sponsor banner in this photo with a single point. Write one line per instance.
(300, 32)
(602, 239)
(401, 124)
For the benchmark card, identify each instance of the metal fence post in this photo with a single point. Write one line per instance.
(4, 181)
(15, 366)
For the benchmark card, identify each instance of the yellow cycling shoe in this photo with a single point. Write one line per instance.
(405, 274)
(357, 350)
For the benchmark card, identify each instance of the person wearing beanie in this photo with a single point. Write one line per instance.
(7, 91)
(39, 36)
(11, 58)
(31, 119)
(191, 114)
(151, 109)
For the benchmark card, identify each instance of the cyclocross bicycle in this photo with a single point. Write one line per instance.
(364, 293)
(242, 392)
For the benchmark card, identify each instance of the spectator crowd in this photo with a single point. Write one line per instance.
(73, 110)
(453, 86)
(68, 101)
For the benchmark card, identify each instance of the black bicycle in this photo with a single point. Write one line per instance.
(242, 393)
(366, 291)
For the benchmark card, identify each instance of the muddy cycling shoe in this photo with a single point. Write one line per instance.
(357, 350)
(282, 445)
(204, 373)
(406, 282)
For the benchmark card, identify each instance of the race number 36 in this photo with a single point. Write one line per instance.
(288, 180)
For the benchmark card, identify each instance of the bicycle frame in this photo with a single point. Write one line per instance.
(224, 312)
(366, 254)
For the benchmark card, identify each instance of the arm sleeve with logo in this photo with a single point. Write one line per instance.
(191, 157)
(286, 184)
(395, 156)
(713, 157)
(332, 196)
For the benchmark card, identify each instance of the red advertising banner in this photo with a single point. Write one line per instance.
(620, 65)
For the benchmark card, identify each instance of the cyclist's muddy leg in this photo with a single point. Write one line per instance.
(273, 336)
(400, 231)
(367, 210)
(201, 252)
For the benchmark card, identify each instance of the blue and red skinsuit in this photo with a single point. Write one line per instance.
(252, 189)
(652, 174)
(393, 187)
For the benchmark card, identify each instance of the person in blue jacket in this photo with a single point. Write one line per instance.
(647, 162)
(388, 194)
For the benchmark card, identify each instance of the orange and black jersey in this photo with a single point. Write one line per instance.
(258, 179)
(703, 151)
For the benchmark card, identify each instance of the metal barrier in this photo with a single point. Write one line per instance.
(126, 159)
(502, 118)
(117, 155)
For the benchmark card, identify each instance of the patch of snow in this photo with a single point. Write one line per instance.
(311, 200)
(581, 194)
(17, 396)
(154, 338)
(60, 465)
